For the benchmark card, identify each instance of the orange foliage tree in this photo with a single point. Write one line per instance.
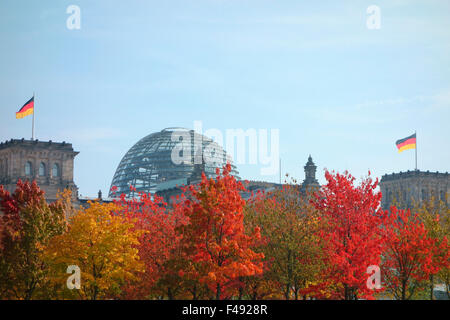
(214, 237)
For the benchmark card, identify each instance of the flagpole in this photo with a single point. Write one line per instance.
(416, 148)
(280, 170)
(34, 110)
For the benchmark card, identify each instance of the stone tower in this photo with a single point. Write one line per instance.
(310, 176)
(49, 163)
(407, 187)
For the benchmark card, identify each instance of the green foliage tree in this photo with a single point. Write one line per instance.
(289, 226)
(435, 215)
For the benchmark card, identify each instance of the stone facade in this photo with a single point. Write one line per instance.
(417, 185)
(49, 163)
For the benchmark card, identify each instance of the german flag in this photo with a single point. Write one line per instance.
(27, 109)
(406, 143)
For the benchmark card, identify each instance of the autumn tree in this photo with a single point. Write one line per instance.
(435, 215)
(411, 255)
(103, 245)
(159, 246)
(264, 285)
(27, 223)
(214, 236)
(289, 226)
(353, 233)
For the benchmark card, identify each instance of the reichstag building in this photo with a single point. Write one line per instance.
(149, 167)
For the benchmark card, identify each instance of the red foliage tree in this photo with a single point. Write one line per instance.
(353, 234)
(410, 253)
(159, 245)
(214, 237)
(27, 223)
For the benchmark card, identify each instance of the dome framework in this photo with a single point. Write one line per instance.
(154, 161)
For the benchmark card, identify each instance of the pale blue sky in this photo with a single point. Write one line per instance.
(312, 69)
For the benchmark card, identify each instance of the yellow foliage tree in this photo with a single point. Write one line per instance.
(102, 245)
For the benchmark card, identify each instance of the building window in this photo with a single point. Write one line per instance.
(442, 195)
(42, 169)
(424, 195)
(28, 168)
(55, 170)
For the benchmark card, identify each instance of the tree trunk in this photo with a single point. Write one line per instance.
(194, 292)
(403, 290)
(286, 293)
(241, 291)
(94, 295)
(255, 292)
(218, 292)
(28, 295)
(431, 287)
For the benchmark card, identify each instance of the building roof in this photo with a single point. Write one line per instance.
(23, 143)
(413, 174)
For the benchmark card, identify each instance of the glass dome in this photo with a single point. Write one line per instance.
(166, 159)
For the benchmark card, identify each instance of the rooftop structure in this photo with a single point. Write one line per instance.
(310, 182)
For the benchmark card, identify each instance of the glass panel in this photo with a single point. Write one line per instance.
(55, 170)
(28, 168)
(42, 169)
